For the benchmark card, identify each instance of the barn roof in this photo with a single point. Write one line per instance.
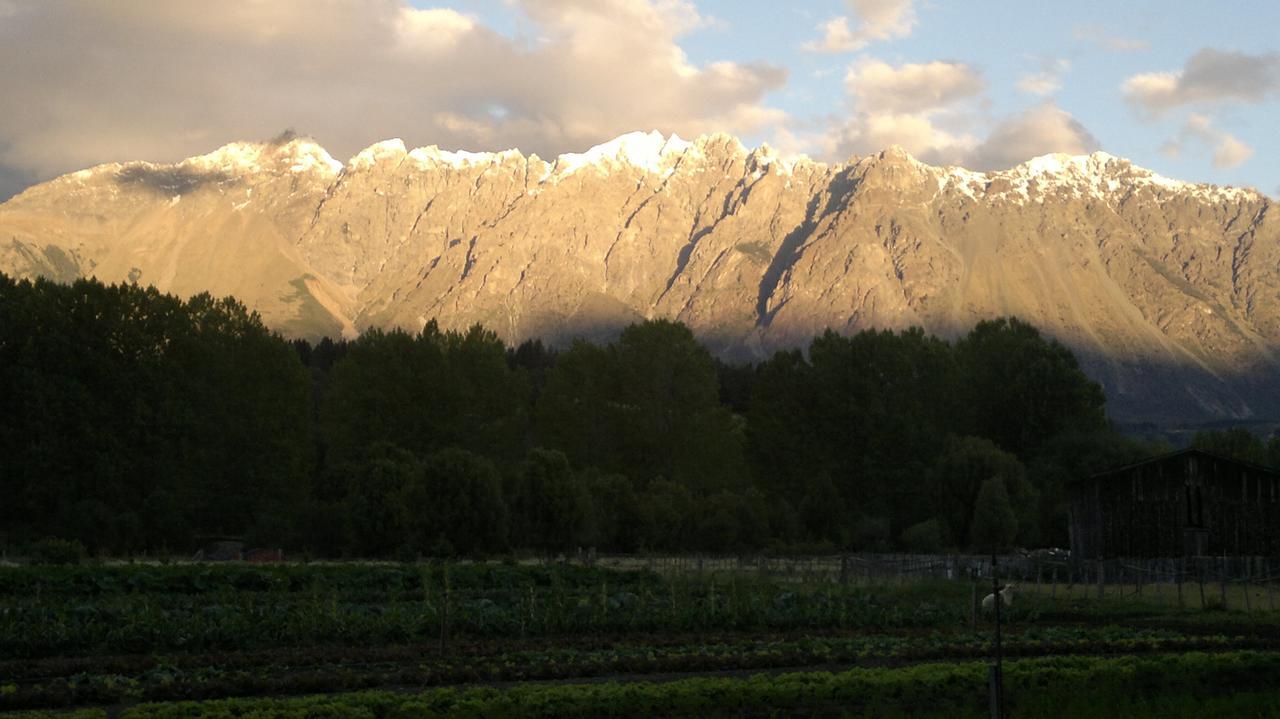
(1189, 450)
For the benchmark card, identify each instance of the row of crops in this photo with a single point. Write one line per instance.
(53, 683)
(1188, 684)
(142, 639)
(76, 612)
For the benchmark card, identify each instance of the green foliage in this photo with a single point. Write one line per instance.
(666, 513)
(616, 511)
(994, 524)
(121, 401)
(425, 393)
(141, 422)
(55, 551)
(822, 511)
(551, 507)
(925, 537)
(1236, 443)
(456, 497)
(958, 477)
(729, 522)
(1022, 389)
(1032, 685)
(647, 406)
(375, 484)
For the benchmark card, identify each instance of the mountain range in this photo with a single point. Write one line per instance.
(1167, 291)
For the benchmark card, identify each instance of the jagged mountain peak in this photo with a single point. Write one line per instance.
(297, 154)
(1166, 289)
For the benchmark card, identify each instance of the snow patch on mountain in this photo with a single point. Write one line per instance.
(648, 151)
(236, 158)
(1098, 175)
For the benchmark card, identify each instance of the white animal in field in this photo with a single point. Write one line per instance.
(1006, 599)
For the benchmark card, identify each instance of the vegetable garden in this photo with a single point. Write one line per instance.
(506, 640)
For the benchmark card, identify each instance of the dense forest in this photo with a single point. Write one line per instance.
(135, 422)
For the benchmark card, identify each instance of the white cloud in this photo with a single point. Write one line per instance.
(912, 105)
(1103, 38)
(1198, 130)
(917, 134)
(881, 87)
(877, 20)
(1047, 81)
(1210, 77)
(1230, 152)
(936, 111)
(90, 82)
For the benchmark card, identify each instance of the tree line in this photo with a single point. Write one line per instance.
(136, 421)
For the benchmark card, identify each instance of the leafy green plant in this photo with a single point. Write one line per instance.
(55, 551)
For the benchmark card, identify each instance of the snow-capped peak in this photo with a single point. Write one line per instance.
(649, 151)
(433, 155)
(1099, 175)
(392, 149)
(300, 154)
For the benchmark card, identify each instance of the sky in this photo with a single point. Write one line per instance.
(1190, 89)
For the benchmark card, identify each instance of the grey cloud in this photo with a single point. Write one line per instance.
(1042, 130)
(90, 81)
(1210, 76)
(13, 180)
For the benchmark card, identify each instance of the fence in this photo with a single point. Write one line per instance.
(1247, 583)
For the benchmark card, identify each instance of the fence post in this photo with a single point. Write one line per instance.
(1055, 583)
(1102, 576)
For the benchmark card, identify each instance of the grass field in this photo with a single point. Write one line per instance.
(390, 640)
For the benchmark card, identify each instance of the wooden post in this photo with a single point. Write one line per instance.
(1222, 586)
(1141, 571)
(1055, 583)
(1102, 577)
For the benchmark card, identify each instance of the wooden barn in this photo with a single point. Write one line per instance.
(1188, 503)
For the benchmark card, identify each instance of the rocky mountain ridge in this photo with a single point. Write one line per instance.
(1166, 290)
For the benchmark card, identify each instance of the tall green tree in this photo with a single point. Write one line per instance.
(1022, 389)
(426, 392)
(455, 504)
(551, 506)
(994, 524)
(957, 479)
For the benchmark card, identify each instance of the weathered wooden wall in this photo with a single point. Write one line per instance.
(1185, 504)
